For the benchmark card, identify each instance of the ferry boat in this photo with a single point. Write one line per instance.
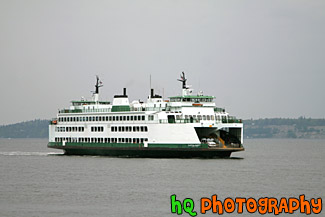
(185, 126)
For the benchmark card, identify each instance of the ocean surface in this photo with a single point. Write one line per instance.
(37, 181)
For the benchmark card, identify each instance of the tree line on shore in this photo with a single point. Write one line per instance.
(258, 128)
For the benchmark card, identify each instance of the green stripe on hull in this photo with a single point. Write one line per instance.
(127, 145)
(138, 150)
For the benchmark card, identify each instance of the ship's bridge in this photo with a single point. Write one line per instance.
(192, 100)
(86, 102)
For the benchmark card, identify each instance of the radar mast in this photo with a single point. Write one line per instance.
(98, 85)
(183, 80)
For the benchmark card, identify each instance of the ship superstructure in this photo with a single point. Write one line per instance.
(188, 125)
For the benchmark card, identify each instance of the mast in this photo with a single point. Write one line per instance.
(185, 88)
(97, 86)
(183, 80)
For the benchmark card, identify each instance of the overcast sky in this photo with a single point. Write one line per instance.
(261, 59)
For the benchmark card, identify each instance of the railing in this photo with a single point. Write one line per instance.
(231, 120)
(85, 110)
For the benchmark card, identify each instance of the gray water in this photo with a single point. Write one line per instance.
(37, 181)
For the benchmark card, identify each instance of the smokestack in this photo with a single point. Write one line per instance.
(124, 91)
(151, 96)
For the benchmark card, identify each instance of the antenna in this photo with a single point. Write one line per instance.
(183, 80)
(98, 85)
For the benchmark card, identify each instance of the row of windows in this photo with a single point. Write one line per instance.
(70, 129)
(191, 100)
(97, 129)
(200, 117)
(130, 129)
(101, 140)
(105, 118)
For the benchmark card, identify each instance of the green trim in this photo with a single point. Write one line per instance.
(92, 144)
(164, 145)
(120, 108)
(127, 145)
(154, 152)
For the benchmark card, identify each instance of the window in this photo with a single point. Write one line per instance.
(100, 129)
(143, 117)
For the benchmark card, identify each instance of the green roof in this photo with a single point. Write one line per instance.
(192, 97)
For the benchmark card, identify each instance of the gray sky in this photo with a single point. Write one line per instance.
(259, 58)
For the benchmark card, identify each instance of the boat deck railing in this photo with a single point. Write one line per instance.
(231, 119)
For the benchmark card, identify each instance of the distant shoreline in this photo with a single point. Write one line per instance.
(300, 128)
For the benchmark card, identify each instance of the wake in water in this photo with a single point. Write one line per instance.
(19, 153)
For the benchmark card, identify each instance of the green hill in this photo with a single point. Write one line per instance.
(27, 129)
(261, 128)
(285, 128)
